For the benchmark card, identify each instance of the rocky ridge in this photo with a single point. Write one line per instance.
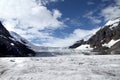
(109, 32)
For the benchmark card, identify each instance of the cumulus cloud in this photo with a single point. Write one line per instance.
(33, 15)
(33, 21)
(112, 11)
(29, 17)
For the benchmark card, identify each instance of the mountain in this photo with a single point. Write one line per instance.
(105, 41)
(13, 46)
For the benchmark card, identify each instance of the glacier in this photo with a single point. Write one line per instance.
(66, 67)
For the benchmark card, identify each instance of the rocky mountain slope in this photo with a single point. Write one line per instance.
(106, 40)
(9, 46)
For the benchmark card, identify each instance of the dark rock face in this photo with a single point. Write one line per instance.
(104, 35)
(3, 31)
(115, 49)
(9, 47)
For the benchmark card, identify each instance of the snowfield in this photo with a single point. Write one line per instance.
(69, 67)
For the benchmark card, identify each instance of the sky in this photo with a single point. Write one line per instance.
(57, 23)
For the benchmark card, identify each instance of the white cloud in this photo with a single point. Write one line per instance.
(56, 14)
(92, 18)
(117, 2)
(44, 2)
(77, 34)
(112, 11)
(28, 17)
(73, 21)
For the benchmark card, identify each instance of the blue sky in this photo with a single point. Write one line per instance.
(76, 12)
(57, 23)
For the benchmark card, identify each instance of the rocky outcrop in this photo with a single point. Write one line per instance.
(115, 49)
(107, 33)
(3, 31)
(9, 47)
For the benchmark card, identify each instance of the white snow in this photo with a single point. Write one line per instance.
(12, 44)
(85, 47)
(110, 22)
(111, 43)
(114, 25)
(74, 67)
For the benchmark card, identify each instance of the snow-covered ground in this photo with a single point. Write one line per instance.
(69, 67)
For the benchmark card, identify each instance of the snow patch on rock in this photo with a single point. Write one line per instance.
(114, 25)
(85, 47)
(12, 44)
(111, 43)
